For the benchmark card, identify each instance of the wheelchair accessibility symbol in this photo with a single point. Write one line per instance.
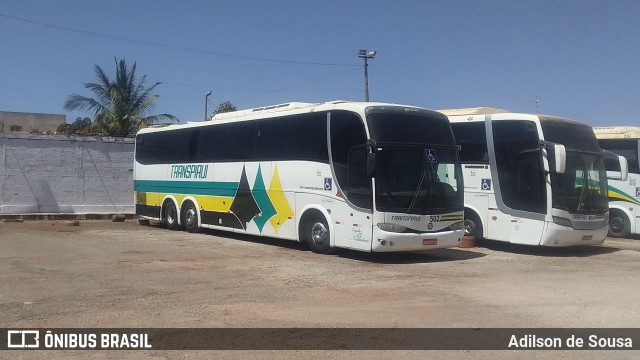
(638, 192)
(486, 184)
(430, 155)
(327, 184)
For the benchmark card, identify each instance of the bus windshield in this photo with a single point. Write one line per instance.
(582, 188)
(416, 156)
(415, 180)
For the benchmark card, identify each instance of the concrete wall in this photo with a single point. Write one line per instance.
(30, 121)
(60, 175)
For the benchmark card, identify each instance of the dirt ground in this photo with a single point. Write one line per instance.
(104, 274)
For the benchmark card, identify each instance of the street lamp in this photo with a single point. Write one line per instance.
(366, 55)
(206, 101)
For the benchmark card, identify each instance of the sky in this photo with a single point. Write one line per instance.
(578, 59)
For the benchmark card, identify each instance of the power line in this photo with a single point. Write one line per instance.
(286, 89)
(180, 48)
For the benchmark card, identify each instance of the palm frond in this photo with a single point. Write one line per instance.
(119, 104)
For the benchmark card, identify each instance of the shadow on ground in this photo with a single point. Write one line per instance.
(426, 256)
(570, 251)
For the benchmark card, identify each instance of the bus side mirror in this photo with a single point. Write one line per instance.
(624, 168)
(371, 164)
(623, 175)
(616, 165)
(560, 158)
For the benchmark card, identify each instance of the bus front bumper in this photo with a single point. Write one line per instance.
(558, 235)
(384, 241)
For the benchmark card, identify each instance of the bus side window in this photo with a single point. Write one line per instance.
(359, 188)
(519, 165)
(347, 131)
(611, 163)
(473, 143)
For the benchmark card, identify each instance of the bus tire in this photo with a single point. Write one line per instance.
(171, 215)
(190, 217)
(472, 225)
(318, 236)
(619, 226)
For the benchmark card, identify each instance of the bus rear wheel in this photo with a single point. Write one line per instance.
(619, 226)
(171, 216)
(190, 218)
(318, 236)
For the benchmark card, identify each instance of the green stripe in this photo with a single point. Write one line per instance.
(211, 188)
(622, 196)
(592, 182)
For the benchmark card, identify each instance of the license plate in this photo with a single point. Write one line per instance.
(429, 241)
(587, 237)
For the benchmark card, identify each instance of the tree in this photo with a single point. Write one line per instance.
(224, 107)
(120, 105)
(81, 126)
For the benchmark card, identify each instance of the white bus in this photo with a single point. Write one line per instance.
(366, 176)
(531, 179)
(624, 195)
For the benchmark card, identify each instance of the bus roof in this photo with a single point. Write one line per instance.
(472, 111)
(617, 132)
(264, 109)
(466, 114)
(291, 108)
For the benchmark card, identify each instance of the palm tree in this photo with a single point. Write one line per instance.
(120, 106)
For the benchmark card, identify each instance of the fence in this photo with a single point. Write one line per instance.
(51, 174)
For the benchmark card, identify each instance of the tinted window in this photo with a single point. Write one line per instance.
(240, 141)
(359, 188)
(471, 138)
(611, 162)
(574, 136)
(347, 131)
(409, 128)
(300, 137)
(165, 147)
(519, 165)
(211, 143)
(626, 148)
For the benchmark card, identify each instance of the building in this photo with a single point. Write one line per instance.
(30, 122)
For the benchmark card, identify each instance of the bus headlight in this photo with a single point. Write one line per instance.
(562, 221)
(457, 226)
(392, 227)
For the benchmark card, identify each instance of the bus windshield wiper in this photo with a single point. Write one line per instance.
(417, 191)
(585, 184)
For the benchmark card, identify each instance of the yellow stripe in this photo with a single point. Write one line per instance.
(622, 196)
(207, 203)
(451, 218)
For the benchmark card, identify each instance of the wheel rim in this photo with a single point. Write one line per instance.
(319, 234)
(191, 218)
(171, 215)
(616, 224)
(469, 227)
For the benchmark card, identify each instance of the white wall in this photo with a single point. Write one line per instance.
(59, 174)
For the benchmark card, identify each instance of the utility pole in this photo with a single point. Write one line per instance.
(366, 55)
(206, 102)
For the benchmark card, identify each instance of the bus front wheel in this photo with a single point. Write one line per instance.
(472, 225)
(171, 216)
(317, 236)
(618, 224)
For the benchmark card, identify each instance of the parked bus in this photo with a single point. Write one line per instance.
(531, 179)
(624, 195)
(366, 176)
